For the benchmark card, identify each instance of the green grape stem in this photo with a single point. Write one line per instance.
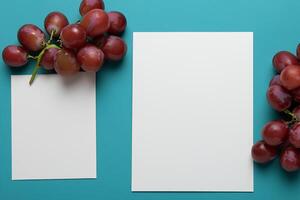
(294, 118)
(51, 37)
(31, 57)
(38, 58)
(38, 62)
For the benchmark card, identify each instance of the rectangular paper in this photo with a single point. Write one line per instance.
(192, 111)
(53, 127)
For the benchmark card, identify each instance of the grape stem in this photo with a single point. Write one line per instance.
(31, 57)
(60, 43)
(51, 36)
(39, 58)
(294, 119)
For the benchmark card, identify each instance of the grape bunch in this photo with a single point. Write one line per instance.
(282, 137)
(84, 45)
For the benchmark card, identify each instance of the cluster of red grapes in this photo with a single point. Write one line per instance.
(282, 137)
(71, 47)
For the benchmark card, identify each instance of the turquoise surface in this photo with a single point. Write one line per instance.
(275, 24)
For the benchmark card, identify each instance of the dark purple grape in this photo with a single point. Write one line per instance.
(100, 41)
(296, 112)
(294, 136)
(114, 48)
(88, 5)
(289, 159)
(66, 63)
(90, 58)
(275, 81)
(48, 58)
(296, 94)
(263, 153)
(290, 77)
(275, 132)
(95, 22)
(279, 98)
(283, 59)
(73, 36)
(31, 37)
(55, 21)
(117, 22)
(15, 56)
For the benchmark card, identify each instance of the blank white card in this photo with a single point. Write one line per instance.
(192, 111)
(53, 127)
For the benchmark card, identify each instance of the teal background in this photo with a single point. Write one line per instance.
(275, 24)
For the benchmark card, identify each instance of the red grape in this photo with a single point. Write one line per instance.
(294, 136)
(279, 98)
(283, 59)
(73, 36)
(48, 58)
(296, 94)
(90, 58)
(275, 132)
(117, 22)
(31, 37)
(296, 112)
(88, 5)
(14, 56)
(290, 77)
(289, 159)
(114, 48)
(262, 152)
(55, 21)
(95, 22)
(65, 63)
(275, 80)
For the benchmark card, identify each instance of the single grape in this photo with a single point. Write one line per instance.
(296, 94)
(289, 159)
(48, 58)
(294, 136)
(114, 48)
(88, 5)
(275, 81)
(290, 77)
(31, 37)
(55, 21)
(279, 98)
(296, 112)
(73, 36)
(65, 63)
(283, 59)
(262, 152)
(117, 22)
(95, 22)
(275, 132)
(15, 56)
(90, 58)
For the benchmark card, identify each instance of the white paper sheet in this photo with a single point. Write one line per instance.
(192, 112)
(53, 127)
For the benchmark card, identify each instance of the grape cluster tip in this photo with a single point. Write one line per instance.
(281, 137)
